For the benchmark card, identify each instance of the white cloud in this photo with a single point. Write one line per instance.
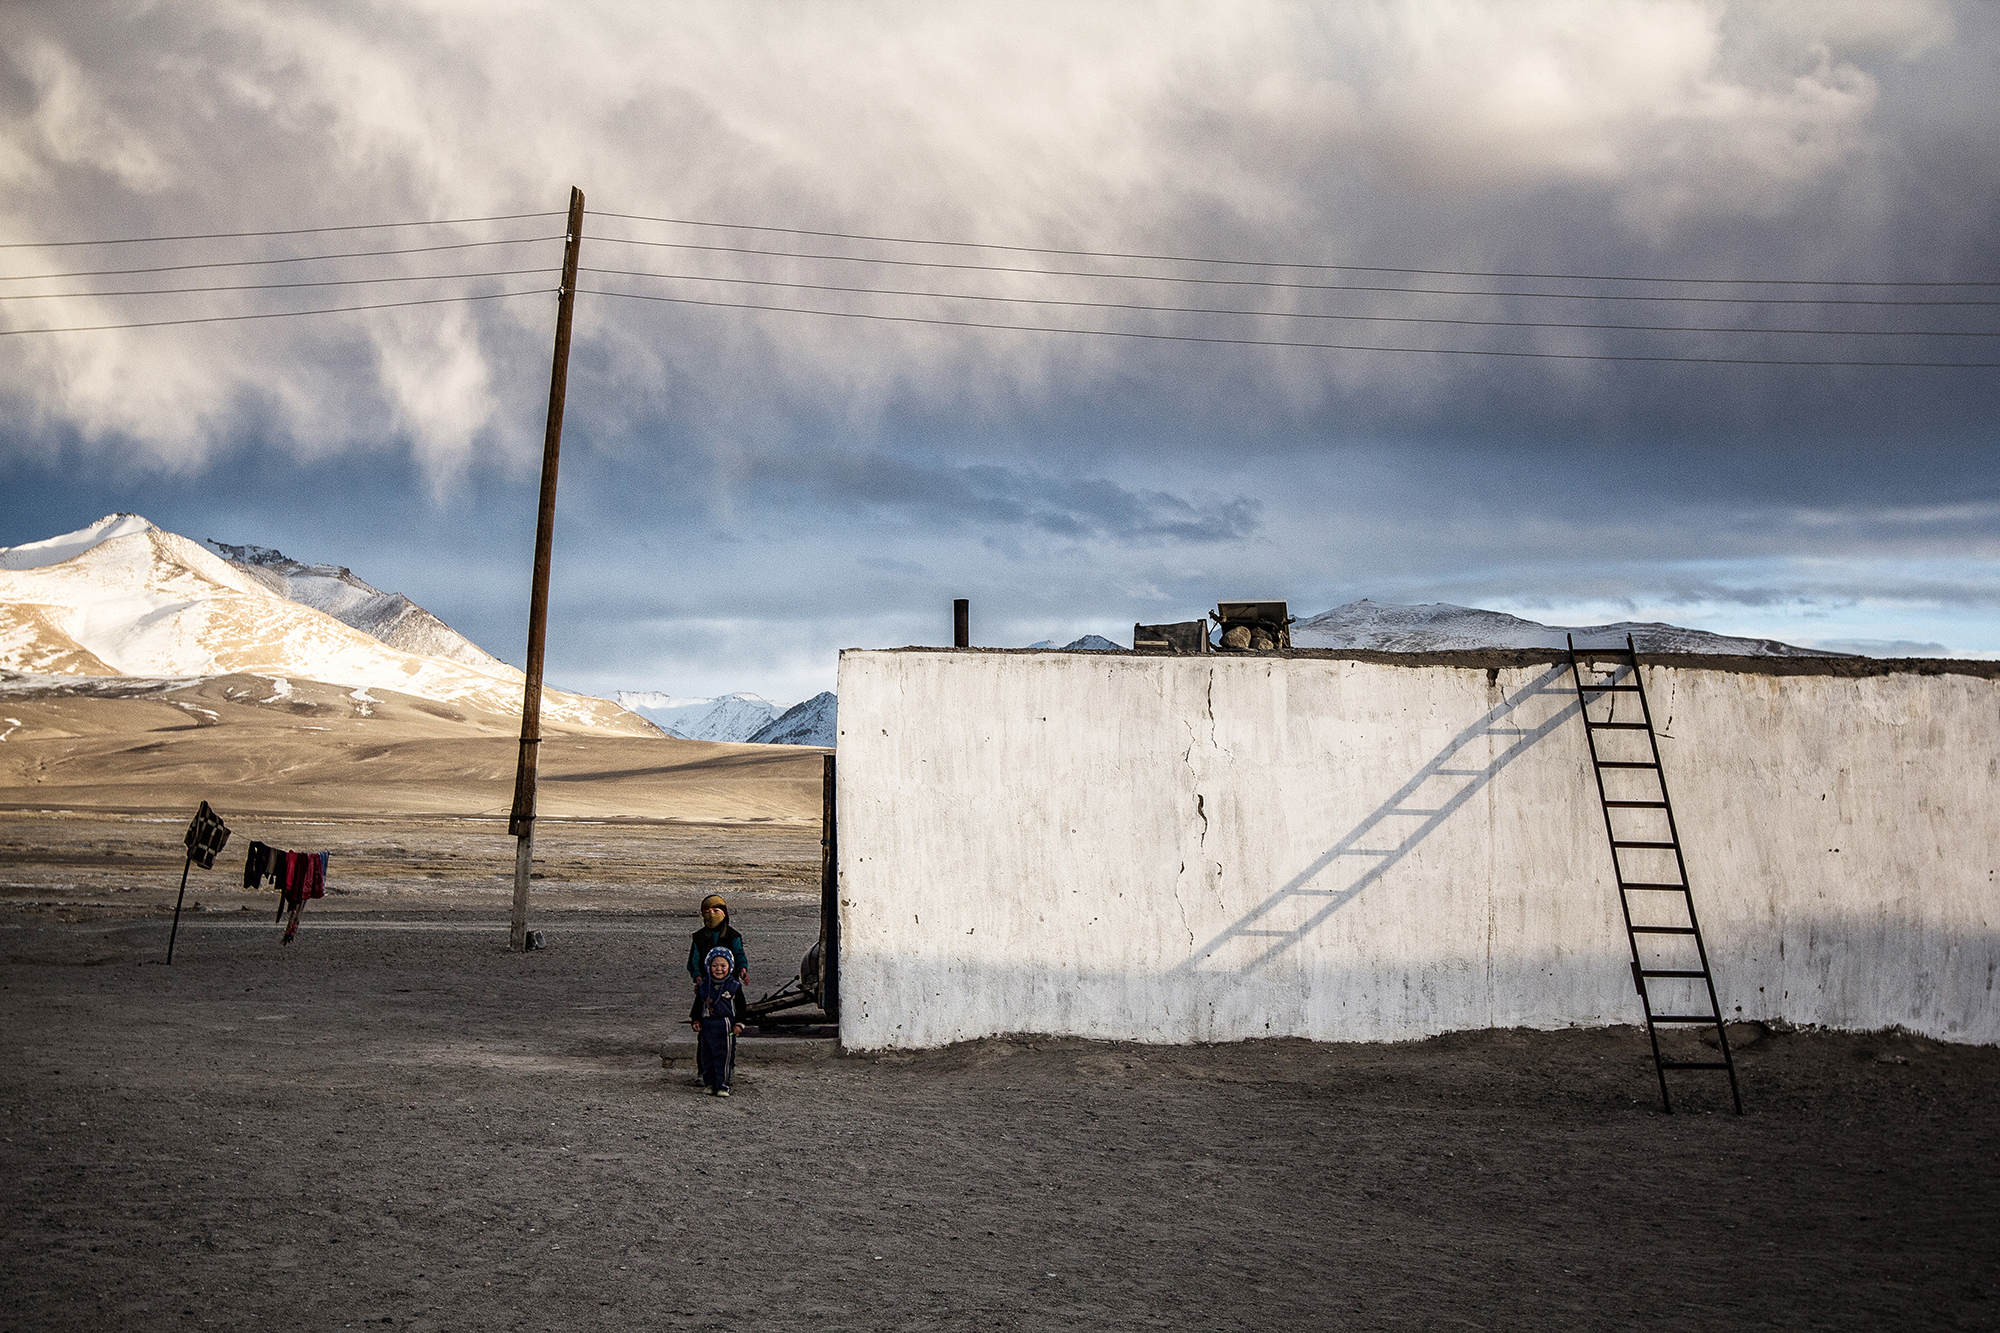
(74, 124)
(1460, 132)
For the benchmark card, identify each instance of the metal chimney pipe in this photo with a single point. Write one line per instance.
(961, 623)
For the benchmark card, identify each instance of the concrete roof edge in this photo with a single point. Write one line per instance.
(1490, 658)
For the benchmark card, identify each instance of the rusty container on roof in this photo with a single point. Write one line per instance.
(1253, 627)
(1187, 636)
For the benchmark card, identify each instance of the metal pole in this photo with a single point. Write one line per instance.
(522, 822)
(961, 623)
(175, 933)
(829, 895)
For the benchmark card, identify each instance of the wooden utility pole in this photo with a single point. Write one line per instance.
(522, 822)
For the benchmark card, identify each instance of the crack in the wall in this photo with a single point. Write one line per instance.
(1211, 706)
(1185, 923)
(1187, 759)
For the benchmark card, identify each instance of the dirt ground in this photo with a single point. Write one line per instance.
(397, 1123)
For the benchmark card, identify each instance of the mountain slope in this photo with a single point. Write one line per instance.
(1089, 643)
(729, 717)
(1440, 626)
(125, 598)
(55, 550)
(388, 617)
(121, 743)
(808, 723)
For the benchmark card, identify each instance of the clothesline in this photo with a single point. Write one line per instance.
(298, 875)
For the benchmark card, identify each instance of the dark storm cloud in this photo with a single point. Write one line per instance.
(1623, 138)
(767, 472)
(926, 494)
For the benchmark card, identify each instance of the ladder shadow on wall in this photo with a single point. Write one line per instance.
(1274, 926)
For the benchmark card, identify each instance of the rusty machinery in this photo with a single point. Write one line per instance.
(1252, 627)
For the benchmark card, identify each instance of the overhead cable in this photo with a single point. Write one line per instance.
(1274, 342)
(1283, 314)
(292, 231)
(281, 286)
(1282, 286)
(289, 259)
(1291, 264)
(273, 314)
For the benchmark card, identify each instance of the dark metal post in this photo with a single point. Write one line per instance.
(522, 822)
(961, 623)
(175, 933)
(829, 895)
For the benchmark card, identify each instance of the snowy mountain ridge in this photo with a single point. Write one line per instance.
(1439, 627)
(124, 598)
(388, 616)
(55, 550)
(1089, 643)
(813, 722)
(728, 717)
(740, 717)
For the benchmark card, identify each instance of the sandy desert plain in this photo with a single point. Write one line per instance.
(395, 1122)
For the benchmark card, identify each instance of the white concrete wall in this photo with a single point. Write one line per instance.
(1211, 849)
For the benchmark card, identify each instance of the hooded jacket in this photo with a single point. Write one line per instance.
(724, 936)
(717, 1001)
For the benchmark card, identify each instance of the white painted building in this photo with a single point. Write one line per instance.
(1366, 847)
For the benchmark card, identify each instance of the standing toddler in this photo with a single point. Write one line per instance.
(717, 1018)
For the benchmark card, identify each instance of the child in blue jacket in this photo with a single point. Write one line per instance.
(717, 1016)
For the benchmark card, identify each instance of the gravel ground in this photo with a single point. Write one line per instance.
(397, 1123)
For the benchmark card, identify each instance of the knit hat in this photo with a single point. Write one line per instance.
(718, 951)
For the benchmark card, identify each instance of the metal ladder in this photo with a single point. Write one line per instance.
(1663, 929)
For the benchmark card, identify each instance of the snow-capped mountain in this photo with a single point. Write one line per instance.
(55, 550)
(1440, 626)
(736, 717)
(808, 723)
(729, 717)
(1089, 643)
(125, 598)
(388, 616)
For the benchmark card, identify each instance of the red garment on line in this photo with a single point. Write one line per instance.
(300, 875)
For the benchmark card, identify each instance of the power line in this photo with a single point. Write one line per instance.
(294, 231)
(1290, 264)
(1283, 286)
(281, 286)
(291, 259)
(1273, 342)
(1287, 314)
(274, 314)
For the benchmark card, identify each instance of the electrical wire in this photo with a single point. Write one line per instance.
(1283, 314)
(281, 286)
(290, 259)
(1290, 264)
(1273, 342)
(1241, 283)
(273, 314)
(294, 231)
(1285, 286)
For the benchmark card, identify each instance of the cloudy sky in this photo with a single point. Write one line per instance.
(1301, 301)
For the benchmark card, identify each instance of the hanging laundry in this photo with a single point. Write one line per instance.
(257, 866)
(300, 875)
(206, 837)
